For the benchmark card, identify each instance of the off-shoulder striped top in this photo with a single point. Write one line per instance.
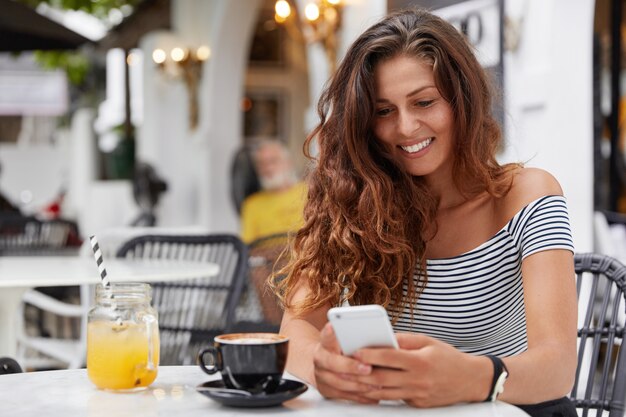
(475, 301)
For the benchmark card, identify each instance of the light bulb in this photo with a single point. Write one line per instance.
(131, 59)
(312, 12)
(283, 9)
(203, 53)
(178, 54)
(159, 56)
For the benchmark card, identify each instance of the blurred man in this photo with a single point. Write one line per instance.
(278, 207)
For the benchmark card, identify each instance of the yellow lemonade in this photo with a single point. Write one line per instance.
(117, 355)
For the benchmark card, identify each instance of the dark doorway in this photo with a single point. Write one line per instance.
(609, 106)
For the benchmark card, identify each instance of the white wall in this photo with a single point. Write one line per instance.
(107, 204)
(164, 139)
(35, 170)
(231, 34)
(548, 90)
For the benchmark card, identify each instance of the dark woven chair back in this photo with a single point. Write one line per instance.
(600, 384)
(192, 312)
(9, 366)
(29, 235)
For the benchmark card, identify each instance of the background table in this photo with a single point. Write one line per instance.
(70, 393)
(19, 273)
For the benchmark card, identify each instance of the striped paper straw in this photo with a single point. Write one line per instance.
(97, 254)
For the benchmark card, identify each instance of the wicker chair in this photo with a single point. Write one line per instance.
(22, 235)
(191, 312)
(600, 383)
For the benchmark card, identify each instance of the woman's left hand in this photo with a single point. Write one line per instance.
(425, 372)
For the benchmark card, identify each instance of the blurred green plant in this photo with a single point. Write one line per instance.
(98, 8)
(75, 63)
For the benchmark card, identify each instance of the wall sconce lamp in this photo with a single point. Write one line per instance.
(185, 63)
(322, 20)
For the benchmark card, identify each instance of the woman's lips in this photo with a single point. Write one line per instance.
(418, 146)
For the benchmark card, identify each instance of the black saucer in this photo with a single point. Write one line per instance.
(287, 389)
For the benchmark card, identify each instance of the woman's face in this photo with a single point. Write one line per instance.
(412, 118)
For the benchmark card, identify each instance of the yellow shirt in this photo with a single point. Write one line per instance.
(268, 212)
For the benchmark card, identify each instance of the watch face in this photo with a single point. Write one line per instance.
(499, 386)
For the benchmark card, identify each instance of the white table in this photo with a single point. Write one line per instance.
(70, 393)
(19, 273)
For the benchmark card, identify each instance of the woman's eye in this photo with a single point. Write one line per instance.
(383, 112)
(424, 103)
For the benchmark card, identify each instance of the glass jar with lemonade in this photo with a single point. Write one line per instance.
(122, 338)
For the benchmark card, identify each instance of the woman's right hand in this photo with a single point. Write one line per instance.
(335, 373)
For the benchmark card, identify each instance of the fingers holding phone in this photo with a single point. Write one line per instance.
(335, 374)
(424, 372)
(331, 356)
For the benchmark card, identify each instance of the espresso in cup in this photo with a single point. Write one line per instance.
(254, 362)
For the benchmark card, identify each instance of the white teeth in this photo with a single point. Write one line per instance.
(418, 146)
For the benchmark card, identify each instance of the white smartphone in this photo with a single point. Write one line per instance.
(357, 327)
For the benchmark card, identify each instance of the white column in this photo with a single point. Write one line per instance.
(229, 36)
(84, 166)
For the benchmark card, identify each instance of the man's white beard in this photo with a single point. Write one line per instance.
(278, 181)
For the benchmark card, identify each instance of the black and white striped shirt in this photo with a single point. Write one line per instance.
(475, 301)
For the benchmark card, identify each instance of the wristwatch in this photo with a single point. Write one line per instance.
(500, 373)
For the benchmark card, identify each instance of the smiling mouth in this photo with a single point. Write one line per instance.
(418, 146)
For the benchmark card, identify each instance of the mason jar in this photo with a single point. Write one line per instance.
(122, 338)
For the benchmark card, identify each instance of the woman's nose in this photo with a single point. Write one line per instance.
(408, 124)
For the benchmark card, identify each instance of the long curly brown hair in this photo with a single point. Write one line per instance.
(366, 219)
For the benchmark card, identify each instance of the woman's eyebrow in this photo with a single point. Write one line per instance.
(412, 93)
(419, 90)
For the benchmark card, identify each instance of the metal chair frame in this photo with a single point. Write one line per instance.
(600, 382)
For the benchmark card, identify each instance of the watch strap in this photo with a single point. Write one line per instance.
(500, 373)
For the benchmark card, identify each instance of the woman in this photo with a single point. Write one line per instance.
(408, 208)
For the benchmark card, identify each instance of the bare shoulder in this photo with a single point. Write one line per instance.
(535, 183)
(528, 185)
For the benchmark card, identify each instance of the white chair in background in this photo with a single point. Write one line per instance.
(36, 352)
(27, 237)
